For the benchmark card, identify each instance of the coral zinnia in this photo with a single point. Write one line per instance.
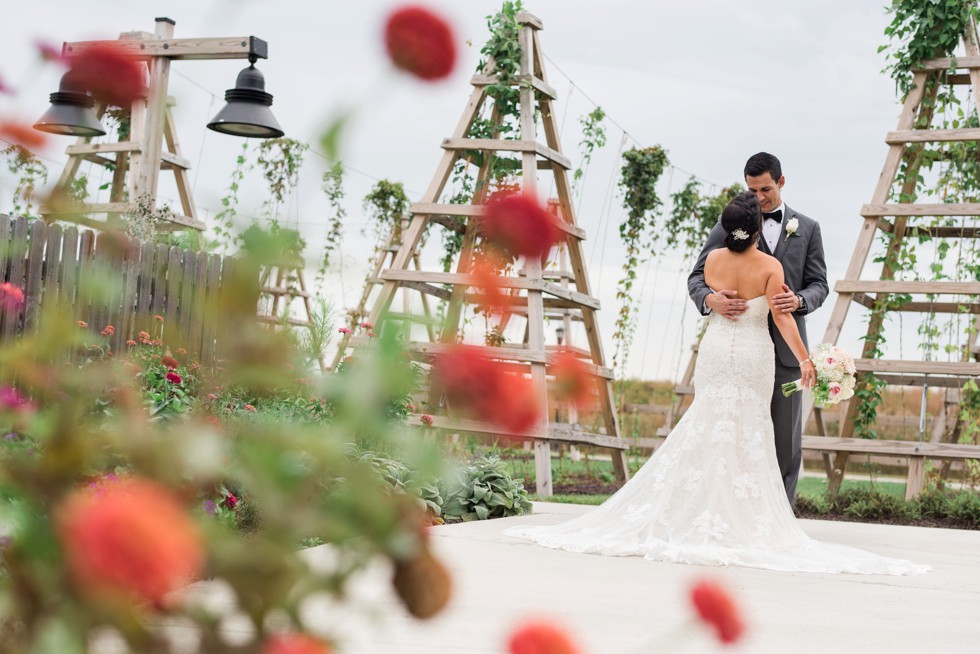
(420, 42)
(518, 224)
(541, 638)
(11, 297)
(169, 362)
(295, 644)
(109, 74)
(717, 608)
(482, 387)
(131, 539)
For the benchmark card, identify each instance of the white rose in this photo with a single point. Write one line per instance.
(792, 225)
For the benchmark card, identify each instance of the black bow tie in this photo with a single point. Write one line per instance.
(775, 215)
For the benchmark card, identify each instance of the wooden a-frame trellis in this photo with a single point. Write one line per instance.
(898, 221)
(536, 294)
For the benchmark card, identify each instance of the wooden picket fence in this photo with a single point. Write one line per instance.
(52, 263)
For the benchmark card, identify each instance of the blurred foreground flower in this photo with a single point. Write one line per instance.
(109, 74)
(716, 607)
(295, 644)
(22, 134)
(481, 387)
(573, 379)
(11, 297)
(519, 225)
(541, 638)
(130, 539)
(421, 43)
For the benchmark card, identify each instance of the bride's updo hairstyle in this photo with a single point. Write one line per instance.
(742, 221)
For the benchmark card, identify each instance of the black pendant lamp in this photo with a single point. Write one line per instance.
(247, 112)
(71, 112)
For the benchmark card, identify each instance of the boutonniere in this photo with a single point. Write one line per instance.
(792, 225)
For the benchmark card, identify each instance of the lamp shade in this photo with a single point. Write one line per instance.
(71, 112)
(247, 112)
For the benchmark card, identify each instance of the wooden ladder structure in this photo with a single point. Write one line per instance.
(901, 220)
(152, 145)
(535, 292)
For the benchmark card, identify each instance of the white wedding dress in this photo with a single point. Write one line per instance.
(712, 493)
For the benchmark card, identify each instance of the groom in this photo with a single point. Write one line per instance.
(795, 240)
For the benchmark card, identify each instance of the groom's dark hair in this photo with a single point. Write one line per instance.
(763, 162)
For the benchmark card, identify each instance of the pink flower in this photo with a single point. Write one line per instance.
(158, 318)
(344, 330)
(250, 408)
(50, 52)
(11, 297)
(367, 325)
(421, 43)
(12, 400)
(109, 74)
(834, 389)
(426, 419)
(130, 342)
(212, 396)
(109, 330)
(174, 378)
(229, 502)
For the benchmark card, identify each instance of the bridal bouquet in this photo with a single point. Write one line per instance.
(835, 376)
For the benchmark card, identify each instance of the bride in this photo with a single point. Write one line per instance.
(712, 494)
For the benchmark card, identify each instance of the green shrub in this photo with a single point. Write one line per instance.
(485, 490)
(400, 479)
(868, 504)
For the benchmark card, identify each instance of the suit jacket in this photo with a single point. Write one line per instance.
(803, 267)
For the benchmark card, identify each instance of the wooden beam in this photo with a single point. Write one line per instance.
(507, 145)
(458, 279)
(537, 84)
(888, 286)
(932, 136)
(948, 368)
(893, 447)
(878, 210)
(477, 211)
(947, 63)
(228, 47)
(525, 18)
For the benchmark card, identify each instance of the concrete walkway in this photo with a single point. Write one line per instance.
(625, 605)
(629, 605)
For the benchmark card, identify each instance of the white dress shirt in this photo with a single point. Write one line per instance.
(771, 229)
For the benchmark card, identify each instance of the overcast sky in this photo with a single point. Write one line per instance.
(712, 81)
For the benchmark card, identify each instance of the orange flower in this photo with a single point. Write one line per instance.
(573, 379)
(488, 281)
(131, 539)
(109, 74)
(23, 135)
(518, 224)
(158, 318)
(717, 608)
(421, 43)
(541, 638)
(482, 387)
(295, 644)
(109, 330)
(82, 323)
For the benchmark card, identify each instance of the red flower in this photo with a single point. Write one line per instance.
(132, 538)
(23, 135)
(174, 378)
(518, 224)
(109, 74)
(230, 501)
(420, 42)
(295, 644)
(169, 362)
(426, 419)
(483, 388)
(488, 281)
(11, 297)
(541, 638)
(717, 608)
(109, 330)
(573, 379)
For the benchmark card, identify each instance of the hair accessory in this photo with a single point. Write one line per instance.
(740, 234)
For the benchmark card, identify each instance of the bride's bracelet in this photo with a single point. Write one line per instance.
(806, 360)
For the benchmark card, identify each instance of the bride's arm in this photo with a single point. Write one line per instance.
(786, 325)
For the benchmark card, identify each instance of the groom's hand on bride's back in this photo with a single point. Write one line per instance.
(726, 303)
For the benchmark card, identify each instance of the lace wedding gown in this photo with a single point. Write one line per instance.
(712, 493)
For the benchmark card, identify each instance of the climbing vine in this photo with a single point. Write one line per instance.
(224, 228)
(387, 206)
(950, 172)
(333, 187)
(31, 174)
(503, 48)
(593, 137)
(693, 214)
(280, 161)
(641, 171)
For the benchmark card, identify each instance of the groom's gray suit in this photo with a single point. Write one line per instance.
(806, 274)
